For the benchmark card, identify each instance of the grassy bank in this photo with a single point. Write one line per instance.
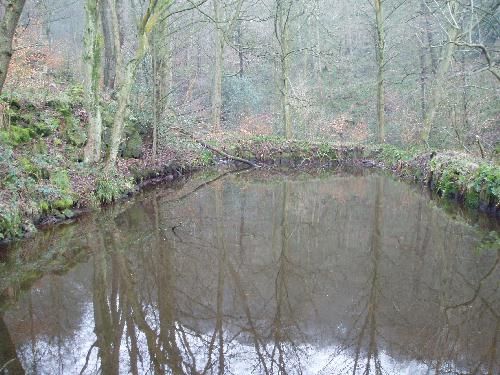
(43, 179)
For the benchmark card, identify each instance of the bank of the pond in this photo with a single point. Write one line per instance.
(44, 181)
(42, 194)
(462, 177)
(458, 176)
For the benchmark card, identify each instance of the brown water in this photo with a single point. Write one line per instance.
(259, 274)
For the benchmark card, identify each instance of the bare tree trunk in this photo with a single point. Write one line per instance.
(241, 55)
(162, 78)
(125, 75)
(379, 16)
(92, 41)
(436, 91)
(282, 34)
(109, 50)
(218, 71)
(423, 74)
(8, 24)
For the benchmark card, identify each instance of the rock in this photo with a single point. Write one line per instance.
(75, 135)
(133, 146)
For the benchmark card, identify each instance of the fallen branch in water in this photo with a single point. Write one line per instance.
(214, 149)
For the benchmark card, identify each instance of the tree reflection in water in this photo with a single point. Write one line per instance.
(252, 274)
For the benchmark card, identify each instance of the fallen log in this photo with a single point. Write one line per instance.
(212, 148)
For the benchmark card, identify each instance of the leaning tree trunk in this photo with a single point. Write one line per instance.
(379, 16)
(92, 58)
(8, 24)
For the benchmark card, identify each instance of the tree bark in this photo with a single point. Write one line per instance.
(125, 74)
(282, 33)
(8, 24)
(109, 50)
(92, 58)
(162, 78)
(379, 17)
(218, 71)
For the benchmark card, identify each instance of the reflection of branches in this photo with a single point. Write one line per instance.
(477, 289)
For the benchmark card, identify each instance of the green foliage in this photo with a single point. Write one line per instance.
(16, 135)
(484, 184)
(47, 127)
(60, 179)
(460, 177)
(44, 207)
(30, 169)
(267, 138)
(206, 158)
(109, 188)
(76, 93)
(63, 203)
(62, 105)
(10, 222)
(392, 154)
(327, 151)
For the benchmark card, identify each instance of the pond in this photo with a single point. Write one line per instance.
(258, 273)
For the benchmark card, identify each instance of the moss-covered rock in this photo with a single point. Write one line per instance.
(75, 134)
(133, 146)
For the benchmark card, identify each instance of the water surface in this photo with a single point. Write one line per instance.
(259, 274)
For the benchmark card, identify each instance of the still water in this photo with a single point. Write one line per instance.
(258, 273)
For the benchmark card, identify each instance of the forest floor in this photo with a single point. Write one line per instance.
(43, 179)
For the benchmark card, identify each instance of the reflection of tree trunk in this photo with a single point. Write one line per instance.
(370, 323)
(281, 291)
(221, 247)
(245, 305)
(166, 296)
(8, 354)
(219, 212)
(129, 293)
(493, 355)
(107, 326)
(132, 336)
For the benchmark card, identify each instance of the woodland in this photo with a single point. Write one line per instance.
(98, 96)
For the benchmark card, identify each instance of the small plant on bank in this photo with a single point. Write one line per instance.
(206, 158)
(111, 187)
